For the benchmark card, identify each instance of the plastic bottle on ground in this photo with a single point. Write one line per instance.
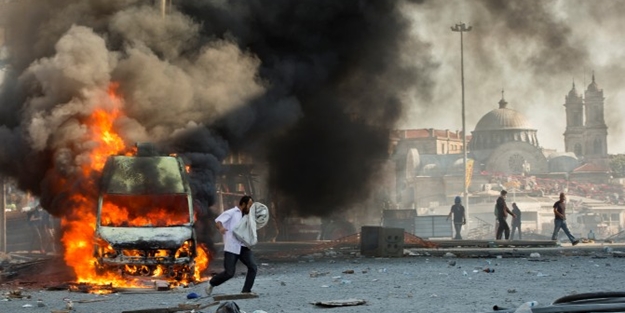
(526, 307)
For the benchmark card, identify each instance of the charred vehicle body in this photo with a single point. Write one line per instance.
(145, 217)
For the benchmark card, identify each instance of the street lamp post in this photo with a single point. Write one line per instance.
(462, 28)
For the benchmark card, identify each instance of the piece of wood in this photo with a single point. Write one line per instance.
(155, 310)
(235, 296)
(92, 300)
(180, 307)
(343, 302)
(136, 290)
(187, 306)
(204, 306)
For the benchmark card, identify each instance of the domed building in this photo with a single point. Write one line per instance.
(505, 142)
(430, 167)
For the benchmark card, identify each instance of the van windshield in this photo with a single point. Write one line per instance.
(121, 210)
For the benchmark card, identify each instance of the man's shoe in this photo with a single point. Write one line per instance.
(209, 289)
(575, 242)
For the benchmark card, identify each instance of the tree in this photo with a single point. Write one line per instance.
(617, 165)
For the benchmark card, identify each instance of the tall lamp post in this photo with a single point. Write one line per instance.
(462, 28)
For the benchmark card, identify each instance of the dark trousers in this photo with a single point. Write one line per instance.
(514, 227)
(503, 228)
(561, 224)
(230, 264)
(458, 227)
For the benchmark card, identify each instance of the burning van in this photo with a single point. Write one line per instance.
(145, 219)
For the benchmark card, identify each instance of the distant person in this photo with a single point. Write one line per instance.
(502, 211)
(591, 235)
(559, 209)
(35, 222)
(457, 210)
(234, 249)
(48, 231)
(516, 221)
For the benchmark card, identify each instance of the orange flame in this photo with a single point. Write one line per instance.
(79, 226)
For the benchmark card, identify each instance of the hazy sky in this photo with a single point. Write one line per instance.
(532, 49)
(310, 86)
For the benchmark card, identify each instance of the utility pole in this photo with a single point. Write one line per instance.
(165, 7)
(3, 216)
(462, 28)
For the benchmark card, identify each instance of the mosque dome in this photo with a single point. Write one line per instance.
(502, 118)
(498, 127)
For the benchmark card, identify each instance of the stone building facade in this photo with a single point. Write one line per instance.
(586, 133)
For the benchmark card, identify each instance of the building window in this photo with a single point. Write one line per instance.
(597, 146)
(515, 162)
(577, 150)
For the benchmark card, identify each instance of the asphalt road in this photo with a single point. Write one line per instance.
(427, 281)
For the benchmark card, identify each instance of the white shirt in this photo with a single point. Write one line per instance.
(229, 219)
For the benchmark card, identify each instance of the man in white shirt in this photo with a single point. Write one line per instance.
(234, 250)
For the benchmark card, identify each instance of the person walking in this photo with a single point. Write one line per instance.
(559, 209)
(502, 214)
(516, 221)
(459, 218)
(35, 221)
(234, 249)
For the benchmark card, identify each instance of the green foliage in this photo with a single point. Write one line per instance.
(617, 165)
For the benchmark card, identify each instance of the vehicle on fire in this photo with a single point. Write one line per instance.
(144, 223)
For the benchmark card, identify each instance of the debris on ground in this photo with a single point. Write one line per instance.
(317, 274)
(179, 308)
(337, 303)
(17, 294)
(228, 307)
(236, 296)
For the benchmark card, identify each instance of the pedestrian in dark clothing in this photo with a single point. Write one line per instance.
(459, 218)
(37, 225)
(502, 214)
(516, 221)
(559, 209)
(234, 249)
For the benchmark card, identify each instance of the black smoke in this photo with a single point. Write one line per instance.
(310, 88)
(336, 73)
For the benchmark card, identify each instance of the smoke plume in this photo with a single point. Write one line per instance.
(312, 88)
(534, 50)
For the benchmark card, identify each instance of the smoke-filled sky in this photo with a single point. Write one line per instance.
(532, 49)
(311, 87)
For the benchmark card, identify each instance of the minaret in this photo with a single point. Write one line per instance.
(574, 134)
(596, 131)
